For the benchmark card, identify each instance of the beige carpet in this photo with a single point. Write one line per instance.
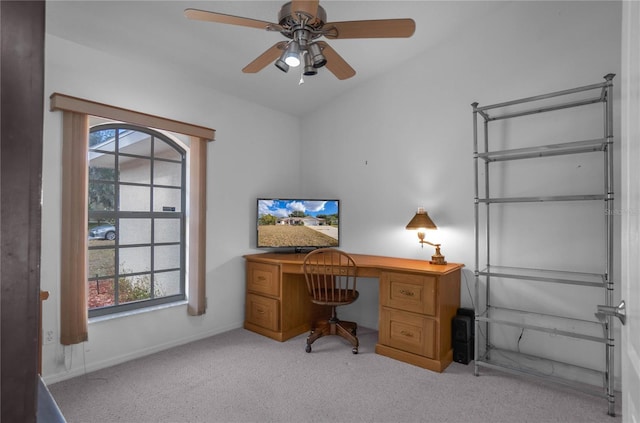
(240, 376)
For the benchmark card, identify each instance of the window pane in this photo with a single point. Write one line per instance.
(134, 169)
(135, 231)
(166, 199)
(101, 196)
(102, 174)
(135, 142)
(101, 293)
(167, 173)
(103, 139)
(165, 151)
(167, 257)
(167, 230)
(133, 198)
(101, 233)
(102, 262)
(134, 288)
(135, 260)
(167, 283)
(102, 166)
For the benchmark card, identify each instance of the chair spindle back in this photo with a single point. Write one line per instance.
(330, 276)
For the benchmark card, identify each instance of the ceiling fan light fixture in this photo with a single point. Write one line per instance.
(292, 55)
(302, 22)
(309, 69)
(280, 64)
(317, 57)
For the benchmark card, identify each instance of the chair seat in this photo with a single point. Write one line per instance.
(334, 296)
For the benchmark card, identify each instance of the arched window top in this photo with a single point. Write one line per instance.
(135, 140)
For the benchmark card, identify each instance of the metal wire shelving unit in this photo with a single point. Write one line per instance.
(491, 313)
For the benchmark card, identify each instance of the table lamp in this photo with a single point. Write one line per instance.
(421, 222)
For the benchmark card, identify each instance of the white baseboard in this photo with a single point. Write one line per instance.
(132, 355)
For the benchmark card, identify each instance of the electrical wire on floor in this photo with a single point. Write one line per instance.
(473, 306)
(520, 338)
(466, 283)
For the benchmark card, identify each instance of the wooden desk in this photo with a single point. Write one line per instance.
(417, 302)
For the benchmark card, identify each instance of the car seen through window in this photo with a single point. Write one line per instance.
(107, 232)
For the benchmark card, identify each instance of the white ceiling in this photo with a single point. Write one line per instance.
(157, 32)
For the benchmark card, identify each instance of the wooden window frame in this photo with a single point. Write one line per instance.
(73, 266)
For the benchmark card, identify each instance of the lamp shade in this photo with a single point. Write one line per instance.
(421, 221)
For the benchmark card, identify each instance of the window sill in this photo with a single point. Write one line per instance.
(129, 313)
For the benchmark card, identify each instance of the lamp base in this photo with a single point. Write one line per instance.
(437, 258)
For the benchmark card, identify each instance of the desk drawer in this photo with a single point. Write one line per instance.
(263, 278)
(409, 292)
(406, 331)
(263, 311)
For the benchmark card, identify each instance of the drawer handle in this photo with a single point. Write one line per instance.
(261, 278)
(260, 310)
(407, 293)
(406, 333)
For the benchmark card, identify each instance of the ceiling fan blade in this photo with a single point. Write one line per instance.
(203, 15)
(308, 7)
(335, 63)
(265, 58)
(382, 28)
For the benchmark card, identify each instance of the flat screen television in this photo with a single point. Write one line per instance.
(297, 223)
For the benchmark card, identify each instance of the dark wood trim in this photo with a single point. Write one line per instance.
(22, 25)
(197, 228)
(74, 312)
(79, 105)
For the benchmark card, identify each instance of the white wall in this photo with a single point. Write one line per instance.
(243, 163)
(404, 139)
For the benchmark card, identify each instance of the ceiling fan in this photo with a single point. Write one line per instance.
(303, 22)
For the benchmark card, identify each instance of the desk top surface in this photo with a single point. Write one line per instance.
(364, 261)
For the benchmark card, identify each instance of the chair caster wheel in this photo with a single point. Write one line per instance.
(308, 348)
(354, 350)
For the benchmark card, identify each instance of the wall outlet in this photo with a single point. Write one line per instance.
(48, 337)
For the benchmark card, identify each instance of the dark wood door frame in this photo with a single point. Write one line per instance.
(22, 26)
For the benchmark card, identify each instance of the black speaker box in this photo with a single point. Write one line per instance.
(468, 312)
(461, 329)
(462, 336)
(462, 352)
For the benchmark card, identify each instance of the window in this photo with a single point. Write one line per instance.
(136, 213)
(73, 230)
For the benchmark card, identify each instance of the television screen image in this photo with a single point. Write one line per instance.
(298, 223)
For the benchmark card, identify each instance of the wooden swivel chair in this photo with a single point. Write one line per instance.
(331, 281)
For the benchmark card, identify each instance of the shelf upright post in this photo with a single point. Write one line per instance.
(487, 227)
(608, 133)
(476, 236)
